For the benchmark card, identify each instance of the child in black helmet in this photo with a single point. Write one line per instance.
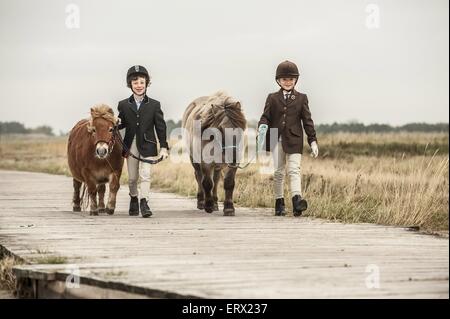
(141, 117)
(287, 113)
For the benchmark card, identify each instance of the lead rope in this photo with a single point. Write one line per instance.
(238, 166)
(127, 150)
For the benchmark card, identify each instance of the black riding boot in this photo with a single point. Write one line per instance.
(145, 210)
(279, 207)
(134, 206)
(298, 205)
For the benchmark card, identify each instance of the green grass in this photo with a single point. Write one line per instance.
(50, 260)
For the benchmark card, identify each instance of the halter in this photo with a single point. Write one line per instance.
(111, 143)
(224, 147)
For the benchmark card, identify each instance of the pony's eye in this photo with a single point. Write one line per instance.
(110, 130)
(93, 130)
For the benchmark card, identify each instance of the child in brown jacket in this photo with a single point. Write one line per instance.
(287, 114)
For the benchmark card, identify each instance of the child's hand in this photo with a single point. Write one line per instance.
(262, 130)
(314, 149)
(163, 153)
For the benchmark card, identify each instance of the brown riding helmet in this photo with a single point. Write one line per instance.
(287, 69)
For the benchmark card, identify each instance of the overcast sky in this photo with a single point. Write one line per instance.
(353, 67)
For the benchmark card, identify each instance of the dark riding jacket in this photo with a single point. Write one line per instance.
(143, 124)
(290, 117)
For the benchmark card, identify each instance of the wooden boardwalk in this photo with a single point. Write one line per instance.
(183, 252)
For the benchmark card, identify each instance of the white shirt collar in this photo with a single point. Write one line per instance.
(286, 93)
(138, 98)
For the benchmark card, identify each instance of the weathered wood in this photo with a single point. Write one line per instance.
(184, 252)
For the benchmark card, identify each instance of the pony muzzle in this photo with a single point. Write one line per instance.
(101, 150)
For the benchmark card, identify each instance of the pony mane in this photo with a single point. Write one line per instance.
(221, 105)
(102, 111)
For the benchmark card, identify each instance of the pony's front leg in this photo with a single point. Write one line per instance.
(101, 189)
(207, 184)
(76, 196)
(228, 185)
(92, 191)
(114, 186)
(198, 178)
(216, 180)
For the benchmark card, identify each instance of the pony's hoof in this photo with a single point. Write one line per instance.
(109, 211)
(93, 213)
(228, 209)
(201, 205)
(101, 210)
(209, 206)
(228, 212)
(216, 207)
(77, 209)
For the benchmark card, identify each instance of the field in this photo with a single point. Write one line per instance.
(390, 179)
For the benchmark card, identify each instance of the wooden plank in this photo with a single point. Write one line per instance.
(181, 251)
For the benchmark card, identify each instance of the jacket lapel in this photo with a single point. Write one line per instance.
(132, 104)
(144, 103)
(294, 95)
(281, 97)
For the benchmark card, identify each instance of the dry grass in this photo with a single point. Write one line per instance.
(8, 280)
(399, 178)
(390, 191)
(36, 154)
(385, 138)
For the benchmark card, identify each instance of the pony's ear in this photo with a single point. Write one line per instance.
(238, 105)
(118, 121)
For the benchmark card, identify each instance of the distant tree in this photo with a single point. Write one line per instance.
(355, 127)
(12, 128)
(171, 124)
(19, 128)
(379, 128)
(43, 129)
(424, 127)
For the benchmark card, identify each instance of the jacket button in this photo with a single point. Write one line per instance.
(138, 115)
(284, 122)
(137, 123)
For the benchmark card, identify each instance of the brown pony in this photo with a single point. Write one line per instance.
(95, 159)
(220, 112)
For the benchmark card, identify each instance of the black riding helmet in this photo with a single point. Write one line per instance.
(137, 70)
(287, 69)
